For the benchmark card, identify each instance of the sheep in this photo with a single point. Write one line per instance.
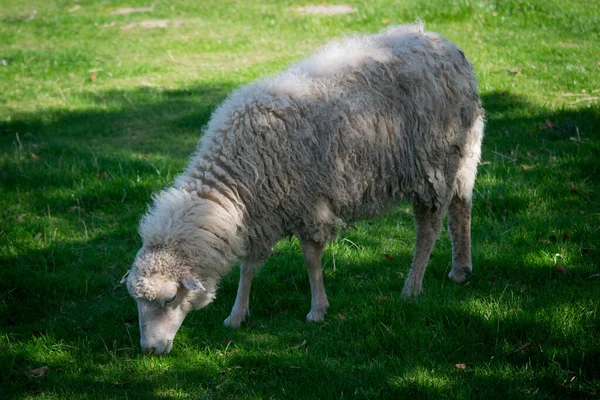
(341, 136)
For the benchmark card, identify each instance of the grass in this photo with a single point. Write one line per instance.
(94, 118)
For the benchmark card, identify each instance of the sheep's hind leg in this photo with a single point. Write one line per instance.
(459, 223)
(240, 309)
(313, 252)
(428, 224)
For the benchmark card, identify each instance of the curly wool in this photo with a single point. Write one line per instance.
(339, 137)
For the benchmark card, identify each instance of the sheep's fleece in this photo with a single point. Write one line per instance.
(341, 136)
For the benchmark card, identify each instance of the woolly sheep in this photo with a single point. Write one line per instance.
(342, 136)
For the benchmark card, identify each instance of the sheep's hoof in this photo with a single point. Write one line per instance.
(458, 274)
(316, 315)
(234, 320)
(411, 290)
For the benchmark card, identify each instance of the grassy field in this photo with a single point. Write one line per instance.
(100, 106)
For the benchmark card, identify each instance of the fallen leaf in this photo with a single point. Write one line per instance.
(340, 316)
(39, 372)
(573, 188)
(34, 156)
(527, 167)
(74, 8)
(563, 269)
(528, 154)
(298, 346)
(381, 298)
(522, 289)
(515, 71)
(460, 366)
(552, 159)
(512, 310)
(385, 21)
(524, 347)
(77, 210)
(549, 124)
(388, 257)
(21, 218)
(93, 77)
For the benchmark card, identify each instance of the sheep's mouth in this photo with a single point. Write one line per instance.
(155, 352)
(169, 347)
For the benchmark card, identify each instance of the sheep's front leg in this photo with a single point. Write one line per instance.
(428, 224)
(313, 252)
(240, 309)
(459, 223)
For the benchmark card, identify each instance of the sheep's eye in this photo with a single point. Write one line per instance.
(170, 300)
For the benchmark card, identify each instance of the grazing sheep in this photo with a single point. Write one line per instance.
(339, 137)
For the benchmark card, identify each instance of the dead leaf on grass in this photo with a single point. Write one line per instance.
(460, 366)
(515, 71)
(388, 257)
(524, 347)
(38, 372)
(382, 298)
(573, 188)
(21, 218)
(340, 316)
(563, 269)
(522, 289)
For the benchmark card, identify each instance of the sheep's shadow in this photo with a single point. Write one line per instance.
(45, 294)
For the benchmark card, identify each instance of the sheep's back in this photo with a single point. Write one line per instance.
(320, 145)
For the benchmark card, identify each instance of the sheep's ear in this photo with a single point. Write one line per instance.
(124, 278)
(191, 283)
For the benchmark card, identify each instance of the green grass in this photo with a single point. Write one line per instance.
(94, 118)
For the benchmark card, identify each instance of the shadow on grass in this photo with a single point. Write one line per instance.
(106, 164)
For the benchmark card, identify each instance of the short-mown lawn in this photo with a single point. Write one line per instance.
(101, 104)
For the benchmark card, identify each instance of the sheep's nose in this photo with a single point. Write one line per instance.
(148, 349)
(157, 348)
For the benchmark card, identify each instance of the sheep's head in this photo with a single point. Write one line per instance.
(165, 290)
